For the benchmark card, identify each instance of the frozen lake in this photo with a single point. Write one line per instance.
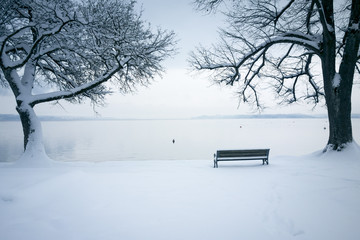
(152, 139)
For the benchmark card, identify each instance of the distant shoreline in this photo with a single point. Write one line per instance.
(14, 117)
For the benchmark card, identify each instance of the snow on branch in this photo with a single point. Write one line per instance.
(251, 65)
(75, 47)
(209, 59)
(76, 90)
(269, 41)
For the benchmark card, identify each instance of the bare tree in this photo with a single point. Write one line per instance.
(281, 41)
(71, 50)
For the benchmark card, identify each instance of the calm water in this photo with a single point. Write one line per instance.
(152, 139)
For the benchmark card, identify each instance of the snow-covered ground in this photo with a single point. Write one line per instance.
(309, 197)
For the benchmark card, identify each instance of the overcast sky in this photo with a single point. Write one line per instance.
(179, 93)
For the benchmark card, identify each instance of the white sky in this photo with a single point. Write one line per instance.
(179, 93)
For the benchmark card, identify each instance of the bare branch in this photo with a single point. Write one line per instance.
(257, 30)
(207, 5)
(309, 15)
(287, 6)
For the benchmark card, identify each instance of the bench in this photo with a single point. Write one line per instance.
(240, 155)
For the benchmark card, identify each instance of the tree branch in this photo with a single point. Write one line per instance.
(287, 6)
(48, 97)
(35, 45)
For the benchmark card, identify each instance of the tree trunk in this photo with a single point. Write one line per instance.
(340, 119)
(33, 142)
(337, 97)
(26, 124)
(338, 86)
(339, 114)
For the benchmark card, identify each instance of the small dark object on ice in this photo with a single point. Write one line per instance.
(173, 141)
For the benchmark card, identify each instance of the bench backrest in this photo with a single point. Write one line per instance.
(242, 153)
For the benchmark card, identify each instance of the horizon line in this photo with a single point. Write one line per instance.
(15, 117)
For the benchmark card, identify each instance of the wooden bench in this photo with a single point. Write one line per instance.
(240, 155)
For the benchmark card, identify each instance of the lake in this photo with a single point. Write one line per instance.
(96, 141)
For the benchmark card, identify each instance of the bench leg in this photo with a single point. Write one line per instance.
(215, 164)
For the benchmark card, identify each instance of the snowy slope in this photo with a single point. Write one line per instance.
(309, 197)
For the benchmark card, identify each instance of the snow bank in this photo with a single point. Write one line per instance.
(308, 197)
(33, 157)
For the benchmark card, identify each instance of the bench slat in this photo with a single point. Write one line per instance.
(242, 152)
(246, 154)
(242, 158)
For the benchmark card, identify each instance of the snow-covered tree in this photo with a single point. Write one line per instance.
(280, 42)
(74, 50)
